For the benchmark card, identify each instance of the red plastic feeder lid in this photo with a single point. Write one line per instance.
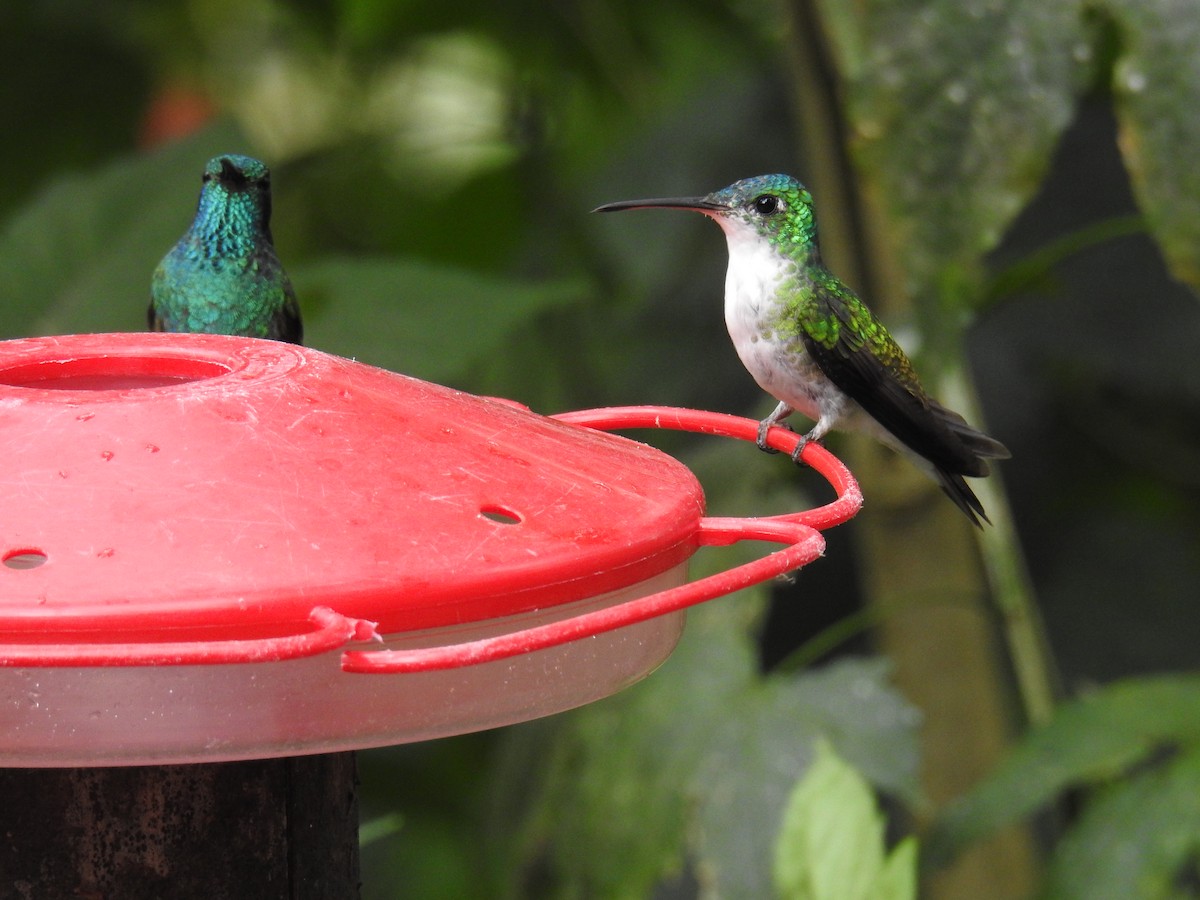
(177, 505)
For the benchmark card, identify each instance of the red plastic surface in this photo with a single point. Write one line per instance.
(197, 498)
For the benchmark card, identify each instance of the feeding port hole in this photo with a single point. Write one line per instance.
(110, 373)
(500, 515)
(24, 559)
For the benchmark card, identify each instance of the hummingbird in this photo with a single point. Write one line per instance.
(812, 343)
(223, 276)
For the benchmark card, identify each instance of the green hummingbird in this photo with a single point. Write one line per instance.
(223, 276)
(812, 344)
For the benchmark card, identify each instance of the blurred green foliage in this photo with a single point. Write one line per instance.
(1136, 744)
(433, 167)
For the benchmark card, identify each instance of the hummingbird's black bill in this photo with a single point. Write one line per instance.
(702, 204)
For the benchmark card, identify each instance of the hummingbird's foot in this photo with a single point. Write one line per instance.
(799, 451)
(763, 427)
(782, 411)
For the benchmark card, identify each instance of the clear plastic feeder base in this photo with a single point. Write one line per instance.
(152, 715)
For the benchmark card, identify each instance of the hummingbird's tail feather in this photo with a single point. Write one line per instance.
(978, 446)
(955, 487)
(962, 451)
(977, 449)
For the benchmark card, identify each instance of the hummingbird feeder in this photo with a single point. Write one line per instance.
(218, 548)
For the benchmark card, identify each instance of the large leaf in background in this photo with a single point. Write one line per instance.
(419, 318)
(1138, 838)
(954, 109)
(1090, 741)
(78, 257)
(1157, 90)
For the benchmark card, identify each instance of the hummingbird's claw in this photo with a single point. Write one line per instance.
(782, 411)
(763, 427)
(799, 451)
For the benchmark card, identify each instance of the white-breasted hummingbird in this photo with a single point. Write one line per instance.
(812, 344)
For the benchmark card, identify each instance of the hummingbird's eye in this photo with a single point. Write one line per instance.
(766, 205)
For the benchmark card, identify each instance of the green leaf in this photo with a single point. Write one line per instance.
(933, 90)
(379, 828)
(1090, 740)
(1156, 87)
(898, 880)
(831, 842)
(78, 257)
(745, 778)
(1140, 838)
(831, 845)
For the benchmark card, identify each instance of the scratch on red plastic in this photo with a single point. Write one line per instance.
(800, 531)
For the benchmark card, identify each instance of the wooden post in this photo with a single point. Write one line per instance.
(276, 828)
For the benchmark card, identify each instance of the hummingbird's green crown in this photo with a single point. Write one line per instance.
(778, 206)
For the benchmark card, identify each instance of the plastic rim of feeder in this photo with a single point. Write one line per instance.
(203, 538)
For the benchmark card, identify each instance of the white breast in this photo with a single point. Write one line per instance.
(754, 273)
(782, 368)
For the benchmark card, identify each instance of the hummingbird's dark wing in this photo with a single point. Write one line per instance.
(286, 325)
(863, 360)
(152, 317)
